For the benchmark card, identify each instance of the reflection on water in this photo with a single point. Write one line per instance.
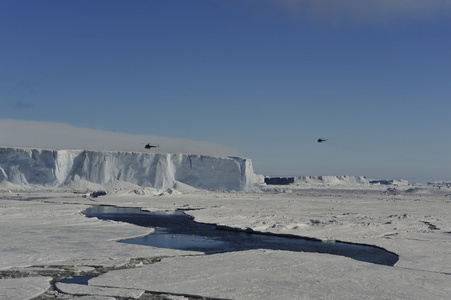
(176, 230)
(78, 280)
(164, 239)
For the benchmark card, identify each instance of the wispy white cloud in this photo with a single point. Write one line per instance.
(18, 133)
(367, 10)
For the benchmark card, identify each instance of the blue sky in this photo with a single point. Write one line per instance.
(265, 78)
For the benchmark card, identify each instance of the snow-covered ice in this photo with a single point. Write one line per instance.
(44, 234)
(260, 274)
(59, 167)
(23, 288)
(46, 228)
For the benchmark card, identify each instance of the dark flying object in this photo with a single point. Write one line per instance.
(148, 146)
(321, 140)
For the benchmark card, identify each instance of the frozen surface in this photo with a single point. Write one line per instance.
(56, 168)
(23, 288)
(78, 289)
(260, 274)
(43, 228)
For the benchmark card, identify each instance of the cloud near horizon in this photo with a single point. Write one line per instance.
(367, 10)
(19, 133)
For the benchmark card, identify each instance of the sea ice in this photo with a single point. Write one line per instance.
(43, 232)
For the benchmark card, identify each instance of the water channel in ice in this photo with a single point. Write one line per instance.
(176, 230)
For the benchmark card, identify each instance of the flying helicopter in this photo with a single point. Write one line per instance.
(149, 146)
(321, 140)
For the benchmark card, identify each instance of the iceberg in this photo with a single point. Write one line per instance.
(60, 167)
(332, 180)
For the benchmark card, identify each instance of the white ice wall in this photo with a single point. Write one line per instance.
(331, 180)
(346, 180)
(55, 168)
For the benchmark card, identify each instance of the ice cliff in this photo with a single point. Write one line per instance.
(56, 168)
(332, 180)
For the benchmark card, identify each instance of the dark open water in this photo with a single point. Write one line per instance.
(176, 230)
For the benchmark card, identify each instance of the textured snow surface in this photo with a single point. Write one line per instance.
(23, 288)
(79, 289)
(57, 168)
(264, 274)
(44, 229)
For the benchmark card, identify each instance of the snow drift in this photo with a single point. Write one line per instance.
(56, 168)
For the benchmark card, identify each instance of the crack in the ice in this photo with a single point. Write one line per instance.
(430, 225)
(421, 270)
(59, 273)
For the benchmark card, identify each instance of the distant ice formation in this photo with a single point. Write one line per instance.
(331, 180)
(57, 168)
(399, 182)
(440, 183)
